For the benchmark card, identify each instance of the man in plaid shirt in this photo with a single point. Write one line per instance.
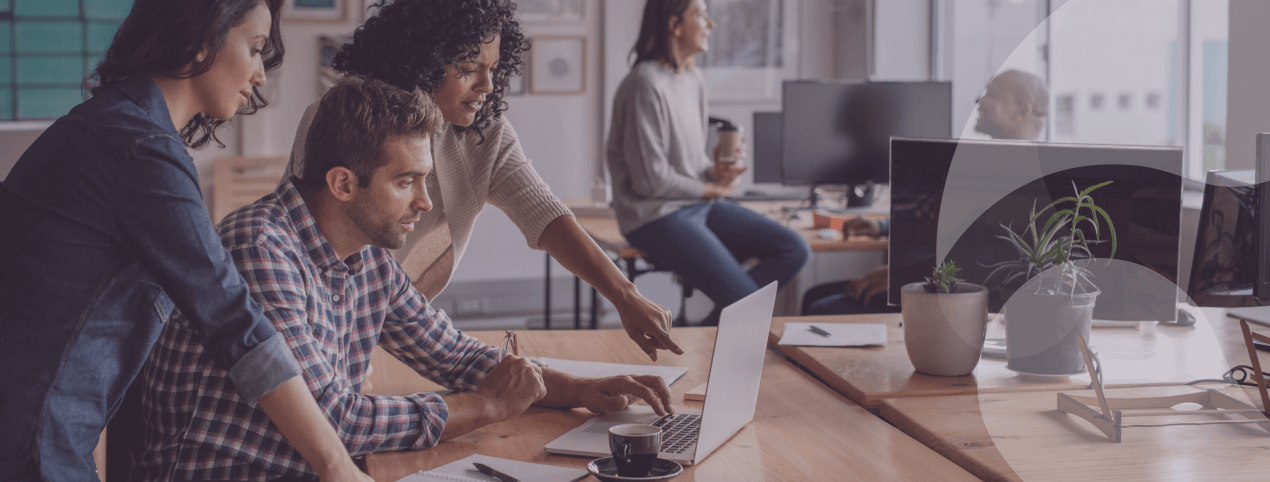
(314, 254)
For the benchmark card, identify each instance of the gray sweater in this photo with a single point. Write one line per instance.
(656, 149)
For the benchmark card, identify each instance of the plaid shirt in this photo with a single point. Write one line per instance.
(332, 312)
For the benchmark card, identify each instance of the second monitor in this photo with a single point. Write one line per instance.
(840, 132)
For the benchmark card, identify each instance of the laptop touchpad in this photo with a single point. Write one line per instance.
(601, 426)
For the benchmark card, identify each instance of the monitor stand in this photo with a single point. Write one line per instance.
(858, 196)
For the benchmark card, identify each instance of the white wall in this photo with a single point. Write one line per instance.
(1248, 99)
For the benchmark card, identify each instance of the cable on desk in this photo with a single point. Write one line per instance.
(1235, 376)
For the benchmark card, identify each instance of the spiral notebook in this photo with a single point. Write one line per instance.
(464, 471)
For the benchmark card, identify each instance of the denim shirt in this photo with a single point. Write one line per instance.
(102, 233)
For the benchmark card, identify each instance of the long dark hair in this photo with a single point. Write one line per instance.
(654, 31)
(165, 36)
(409, 43)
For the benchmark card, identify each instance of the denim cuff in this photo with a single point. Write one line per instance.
(264, 368)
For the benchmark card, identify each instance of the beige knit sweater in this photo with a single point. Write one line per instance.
(469, 176)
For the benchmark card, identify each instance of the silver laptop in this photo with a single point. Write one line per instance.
(688, 436)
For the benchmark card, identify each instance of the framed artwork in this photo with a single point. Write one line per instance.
(751, 49)
(316, 11)
(550, 10)
(326, 75)
(557, 65)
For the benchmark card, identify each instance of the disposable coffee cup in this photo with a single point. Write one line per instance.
(731, 138)
(635, 447)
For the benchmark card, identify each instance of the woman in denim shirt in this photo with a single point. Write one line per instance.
(104, 233)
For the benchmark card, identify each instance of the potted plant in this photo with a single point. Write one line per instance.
(945, 321)
(1056, 300)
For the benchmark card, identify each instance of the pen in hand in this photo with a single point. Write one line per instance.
(818, 331)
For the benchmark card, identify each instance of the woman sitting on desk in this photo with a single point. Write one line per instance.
(464, 53)
(666, 191)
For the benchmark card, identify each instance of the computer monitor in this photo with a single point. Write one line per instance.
(1233, 224)
(767, 147)
(1221, 275)
(996, 183)
(839, 132)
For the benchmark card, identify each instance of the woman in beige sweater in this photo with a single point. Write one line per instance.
(465, 54)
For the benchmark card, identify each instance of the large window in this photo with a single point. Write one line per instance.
(47, 47)
(1132, 72)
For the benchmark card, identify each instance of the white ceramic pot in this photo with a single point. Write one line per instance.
(944, 332)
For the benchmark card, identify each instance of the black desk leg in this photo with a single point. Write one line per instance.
(577, 303)
(595, 309)
(546, 302)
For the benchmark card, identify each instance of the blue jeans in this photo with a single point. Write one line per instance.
(697, 242)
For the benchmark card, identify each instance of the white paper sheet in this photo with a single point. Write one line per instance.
(464, 471)
(601, 369)
(840, 334)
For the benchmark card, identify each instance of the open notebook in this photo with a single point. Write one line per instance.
(464, 471)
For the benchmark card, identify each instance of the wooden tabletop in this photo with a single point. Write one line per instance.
(1022, 437)
(801, 430)
(1148, 356)
(602, 226)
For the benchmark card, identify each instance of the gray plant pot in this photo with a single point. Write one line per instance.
(1041, 330)
(944, 332)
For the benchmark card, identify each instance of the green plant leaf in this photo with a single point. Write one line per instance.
(1111, 228)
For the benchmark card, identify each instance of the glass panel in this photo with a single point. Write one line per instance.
(105, 9)
(49, 70)
(92, 61)
(50, 37)
(6, 104)
(6, 70)
(5, 29)
(100, 35)
(1210, 34)
(46, 103)
(47, 8)
(1105, 51)
(6, 6)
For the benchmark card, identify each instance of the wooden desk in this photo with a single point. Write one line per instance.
(1151, 355)
(801, 430)
(1022, 437)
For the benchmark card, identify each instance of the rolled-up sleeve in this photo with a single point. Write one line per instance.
(159, 217)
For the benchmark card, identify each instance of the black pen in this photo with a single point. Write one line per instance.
(487, 470)
(818, 331)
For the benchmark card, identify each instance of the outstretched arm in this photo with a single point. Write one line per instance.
(645, 322)
(607, 394)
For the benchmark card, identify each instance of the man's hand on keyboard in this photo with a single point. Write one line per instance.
(610, 394)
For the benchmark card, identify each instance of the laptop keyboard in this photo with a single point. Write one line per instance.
(678, 431)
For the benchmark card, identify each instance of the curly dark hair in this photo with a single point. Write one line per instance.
(409, 43)
(164, 37)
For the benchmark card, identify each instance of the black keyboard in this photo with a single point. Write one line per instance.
(678, 431)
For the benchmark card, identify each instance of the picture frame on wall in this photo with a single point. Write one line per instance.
(551, 10)
(327, 77)
(316, 11)
(557, 65)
